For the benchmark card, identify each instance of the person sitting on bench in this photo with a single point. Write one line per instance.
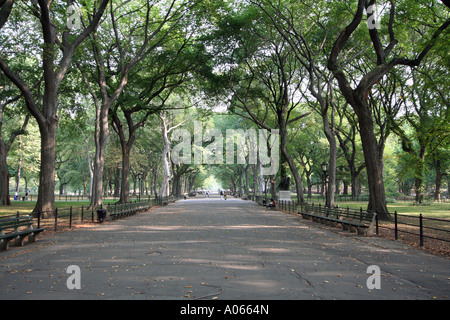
(272, 204)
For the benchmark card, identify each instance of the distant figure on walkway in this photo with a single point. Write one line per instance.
(272, 204)
(225, 195)
(221, 194)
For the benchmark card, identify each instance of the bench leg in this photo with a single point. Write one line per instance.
(32, 237)
(19, 240)
(362, 231)
(4, 244)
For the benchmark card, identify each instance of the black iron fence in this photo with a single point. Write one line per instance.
(419, 226)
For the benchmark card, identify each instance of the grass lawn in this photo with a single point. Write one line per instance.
(431, 210)
(26, 207)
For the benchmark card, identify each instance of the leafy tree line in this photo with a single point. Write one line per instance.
(361, 85)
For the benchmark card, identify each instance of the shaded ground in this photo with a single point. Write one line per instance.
(215, 249)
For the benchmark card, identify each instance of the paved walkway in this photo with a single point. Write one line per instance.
(216, 249)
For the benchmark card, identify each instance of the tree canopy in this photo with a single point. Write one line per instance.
(92, 92)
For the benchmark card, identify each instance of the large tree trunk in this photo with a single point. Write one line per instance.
(165, 158)
(374, 167)
(329, 133)
(437, 192)
(126, 146)
(19, 167)
(290, 160)
(101, 139)
(46, 199)
(273, 187)
(419, 183)
(355, 184)
(125, 188)
(4, 175)
(5, 10)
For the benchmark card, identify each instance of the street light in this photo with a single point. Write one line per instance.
(324, 167)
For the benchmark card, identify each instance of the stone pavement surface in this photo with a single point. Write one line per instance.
(216, 249)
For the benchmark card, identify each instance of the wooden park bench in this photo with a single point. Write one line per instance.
(360, 221)
(18, 228)
(166, 200)
(118, 211)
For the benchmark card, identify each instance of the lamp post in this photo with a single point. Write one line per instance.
(325, 171)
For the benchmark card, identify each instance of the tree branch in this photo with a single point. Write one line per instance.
(5, 11)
